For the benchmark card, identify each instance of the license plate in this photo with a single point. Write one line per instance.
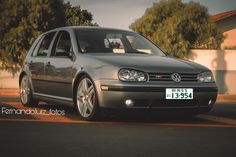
(179, 93)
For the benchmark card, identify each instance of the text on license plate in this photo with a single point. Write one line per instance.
(179, 93)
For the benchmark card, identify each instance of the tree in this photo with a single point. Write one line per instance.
(178, 27)
(75, 16)
(22, 21)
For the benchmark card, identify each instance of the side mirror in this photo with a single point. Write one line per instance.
(71, 55)
(169, 54)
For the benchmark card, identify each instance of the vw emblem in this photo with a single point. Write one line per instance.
(176, 77)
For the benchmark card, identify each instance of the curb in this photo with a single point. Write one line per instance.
(9, 92)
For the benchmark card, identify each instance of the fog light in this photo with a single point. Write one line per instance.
(129, 102)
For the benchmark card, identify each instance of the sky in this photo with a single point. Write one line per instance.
(121, 13)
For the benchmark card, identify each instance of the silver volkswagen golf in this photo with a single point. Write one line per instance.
(93, 68)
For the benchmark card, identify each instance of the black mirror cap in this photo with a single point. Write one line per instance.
(71, 55)
(170, 54)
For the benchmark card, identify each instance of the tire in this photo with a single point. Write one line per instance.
(26, 96)
(86, 99)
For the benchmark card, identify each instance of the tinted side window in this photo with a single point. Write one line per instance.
(63, 44)
(44, 45)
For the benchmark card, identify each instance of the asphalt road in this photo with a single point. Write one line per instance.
(213, 134)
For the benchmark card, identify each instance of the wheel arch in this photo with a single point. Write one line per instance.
(21, 76)
(23, 73)
(75, 82)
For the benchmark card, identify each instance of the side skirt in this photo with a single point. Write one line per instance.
(53, 99)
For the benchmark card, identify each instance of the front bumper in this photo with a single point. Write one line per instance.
(152, 95)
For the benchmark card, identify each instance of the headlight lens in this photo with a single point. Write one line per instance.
(205, 77)
(132, 75)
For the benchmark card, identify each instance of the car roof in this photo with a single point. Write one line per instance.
(86, 28)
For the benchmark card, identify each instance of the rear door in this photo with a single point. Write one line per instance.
(59, 67)
(37, 62)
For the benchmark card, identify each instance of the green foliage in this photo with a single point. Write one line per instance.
(77, 17)
(178, 27)
(22, 21)
(230, 47)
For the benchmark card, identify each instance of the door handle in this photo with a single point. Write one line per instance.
(48, 64)
(29, 63)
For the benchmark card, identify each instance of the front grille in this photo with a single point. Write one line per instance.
(185, 77)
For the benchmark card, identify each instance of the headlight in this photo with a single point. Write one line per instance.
(132, 75)
(205, 77)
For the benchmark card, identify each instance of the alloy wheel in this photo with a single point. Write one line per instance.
(86, 97)
(24, 90)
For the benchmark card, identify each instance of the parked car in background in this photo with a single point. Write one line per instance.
(93, 68)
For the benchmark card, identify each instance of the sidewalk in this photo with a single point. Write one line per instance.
(220, 99)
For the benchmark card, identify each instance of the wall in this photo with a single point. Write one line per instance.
(7, 80)
(230, 40)
(223, 65)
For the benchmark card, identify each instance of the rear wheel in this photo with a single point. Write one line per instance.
(86, 99)
(26, 95)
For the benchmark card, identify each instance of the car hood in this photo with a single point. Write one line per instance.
(149, 63)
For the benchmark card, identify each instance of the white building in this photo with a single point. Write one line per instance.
(222, 62)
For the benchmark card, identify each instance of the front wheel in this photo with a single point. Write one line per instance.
(26, 95)
(86, 98)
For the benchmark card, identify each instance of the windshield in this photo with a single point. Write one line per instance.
(114, 41)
